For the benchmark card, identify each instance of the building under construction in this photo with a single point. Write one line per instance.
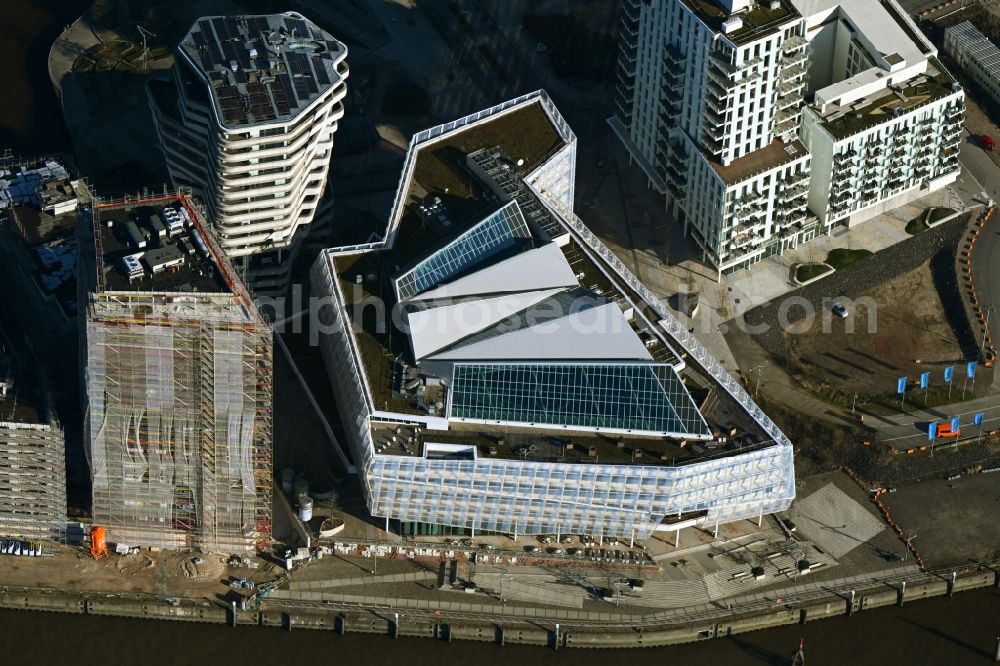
(178, 383)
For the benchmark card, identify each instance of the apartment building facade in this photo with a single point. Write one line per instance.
(711, 104)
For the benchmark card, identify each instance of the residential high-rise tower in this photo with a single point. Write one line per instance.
(248, 123)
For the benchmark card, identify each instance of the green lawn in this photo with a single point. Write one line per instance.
(938, 214)
(807, 272)
(842, 257)
(920, 222)
(916, 225)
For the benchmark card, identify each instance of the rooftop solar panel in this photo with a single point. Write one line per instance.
(321, 75)
(302, 88)
(229, 51)
(214, 53)
(289, 90)
(220, 28)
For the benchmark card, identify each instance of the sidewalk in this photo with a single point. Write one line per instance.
(772, 277)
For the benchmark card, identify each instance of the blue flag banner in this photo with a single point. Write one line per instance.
(954, 424)
(970, 369)
(925, 379)
(901, 385)
(978, 420)
(949, 372)
(931, 430)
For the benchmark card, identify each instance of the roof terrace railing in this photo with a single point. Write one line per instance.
(673, 327)
(435, 133)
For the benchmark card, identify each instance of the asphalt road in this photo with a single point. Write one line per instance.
(909, 431)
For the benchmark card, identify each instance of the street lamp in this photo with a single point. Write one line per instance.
(758, 369)
(989, 309)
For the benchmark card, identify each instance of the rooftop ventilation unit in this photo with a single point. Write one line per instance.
(133, 265)
(732, 24)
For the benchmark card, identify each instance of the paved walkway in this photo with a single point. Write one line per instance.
(907, 431)
(621, 615)
(772, 277)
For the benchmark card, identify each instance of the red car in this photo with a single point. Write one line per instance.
(987, 143)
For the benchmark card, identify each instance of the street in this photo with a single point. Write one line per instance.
(909, 431)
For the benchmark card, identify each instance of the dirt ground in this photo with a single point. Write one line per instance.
(889, 330)
(173, 573)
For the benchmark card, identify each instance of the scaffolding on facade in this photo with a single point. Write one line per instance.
(179, 388)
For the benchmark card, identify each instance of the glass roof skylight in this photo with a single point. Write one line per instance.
(621, 396)
(494, 234)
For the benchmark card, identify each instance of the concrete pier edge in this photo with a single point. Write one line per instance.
(382, 622)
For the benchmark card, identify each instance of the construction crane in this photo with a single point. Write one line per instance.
(145, 45)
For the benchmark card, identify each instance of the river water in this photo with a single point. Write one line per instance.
(955, 631)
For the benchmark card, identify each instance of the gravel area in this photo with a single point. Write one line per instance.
(864, 275)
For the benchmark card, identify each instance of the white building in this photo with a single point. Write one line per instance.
(885, 117)
(248, 125)
(710, 105)
(977, 55)
(497, 368)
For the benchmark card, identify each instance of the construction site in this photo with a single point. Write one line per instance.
(178, 423)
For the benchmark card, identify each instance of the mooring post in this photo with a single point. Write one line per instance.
(951, 583)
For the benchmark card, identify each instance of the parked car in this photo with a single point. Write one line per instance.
(839, 310)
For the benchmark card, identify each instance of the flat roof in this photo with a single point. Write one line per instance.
(201, 271)
(976, 46)
(772, 156)
(266, 68)
(519, 443)
(886, 30)
(758, 22)
(879, 107)
(633, 373)
(21, 180)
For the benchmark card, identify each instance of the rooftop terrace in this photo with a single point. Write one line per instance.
(264, 68)
(167, 258)
(772, 156)
(398, 384)
(845, 121)
(757, 22)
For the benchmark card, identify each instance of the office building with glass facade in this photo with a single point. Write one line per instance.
(498, 369)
